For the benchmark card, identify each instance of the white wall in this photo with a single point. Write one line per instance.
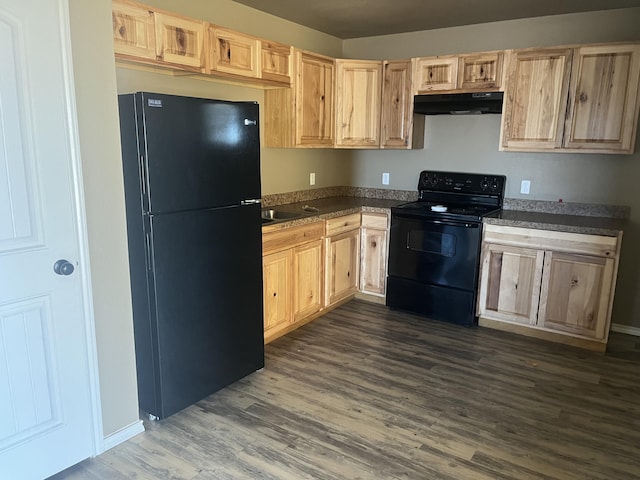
(470, 143)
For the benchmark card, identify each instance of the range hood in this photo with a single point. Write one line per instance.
(458, 103)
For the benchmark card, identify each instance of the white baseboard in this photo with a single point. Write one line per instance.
(123, 435)
(616, 327)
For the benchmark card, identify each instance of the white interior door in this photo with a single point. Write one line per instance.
(46, 410)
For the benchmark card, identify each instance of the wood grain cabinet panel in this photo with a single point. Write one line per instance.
(358, 91)
(374, 240)
(308, 265)
(437, 73)
(510, 283)
(233, 52)
(536, 99)
(342, 266)
(179, 40)
(399, 127)
(603, 98)
(575, 294)
(277, 287)
(276, 61)
(553, 285)
(314, 100)
(482, 71)
(133, 30)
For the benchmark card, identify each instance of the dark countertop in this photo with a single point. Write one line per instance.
(558, 222)
(330, 207)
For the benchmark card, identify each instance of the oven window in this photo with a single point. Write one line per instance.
(432, 242)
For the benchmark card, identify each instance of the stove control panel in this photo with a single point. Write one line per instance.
(456, 182)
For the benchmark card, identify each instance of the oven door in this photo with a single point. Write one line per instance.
(433, 251)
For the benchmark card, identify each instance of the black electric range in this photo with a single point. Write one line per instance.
(434, 246)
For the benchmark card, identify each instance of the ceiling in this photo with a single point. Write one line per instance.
(364, 18)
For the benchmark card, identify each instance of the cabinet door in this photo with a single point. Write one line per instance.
(358, 91)
(373, 261)
(179, 40)
(576, 292)
(314, 100)
(233, 52)
(481, 71)
(277, 288)
(396, 117)
(603, 100)
(434, 74)
(133, 31)
(276, 61)
(308, 262)
(510, 283)
(342, 263)
(536, 100)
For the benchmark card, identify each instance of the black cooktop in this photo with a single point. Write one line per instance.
(449, 211)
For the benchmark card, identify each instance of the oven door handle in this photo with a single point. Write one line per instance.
(455, 224)
(452, 223)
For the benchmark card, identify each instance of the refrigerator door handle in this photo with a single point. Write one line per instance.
(251, 201)
(248, 121)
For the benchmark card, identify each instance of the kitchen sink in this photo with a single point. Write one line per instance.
(273, 215)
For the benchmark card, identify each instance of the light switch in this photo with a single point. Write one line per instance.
(312, 178)
(385, 179)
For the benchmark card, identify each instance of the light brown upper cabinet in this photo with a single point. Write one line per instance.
(358, 90)
(478, 71)
(179, 40)
(603, 98)
(582, 99)
(232, 52)
(133, 30)
(276, 61)
(399, 127)
(536, 99)
(303, 115)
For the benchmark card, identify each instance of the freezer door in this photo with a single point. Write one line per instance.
(207, 281)
(198, 153)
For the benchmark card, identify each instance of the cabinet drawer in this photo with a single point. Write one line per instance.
(598, 245)
(290, 237)
(374, 220)
(343, 224)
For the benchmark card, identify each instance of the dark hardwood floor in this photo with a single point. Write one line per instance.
(368, 393)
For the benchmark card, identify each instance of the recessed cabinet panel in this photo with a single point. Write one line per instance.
(536, 99)
(314, 100)
(358, 90)
(276, 61)
(308, 262)
(133, 30)
(232, 52)
(575, 293)
(179, 40)
(397, 125)
(482, 71)
(342, 266)
(277, 285)
(603, 108)
(433, 74)
(510, 285)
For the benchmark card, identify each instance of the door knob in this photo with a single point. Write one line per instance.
(63, 267)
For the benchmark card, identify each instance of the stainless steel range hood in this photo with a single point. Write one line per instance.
(458, 103)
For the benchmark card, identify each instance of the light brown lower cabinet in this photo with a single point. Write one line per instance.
(553, 285)
(342, 263)
(292, 273)
(374, 239)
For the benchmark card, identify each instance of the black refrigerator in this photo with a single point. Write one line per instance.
(192, 192)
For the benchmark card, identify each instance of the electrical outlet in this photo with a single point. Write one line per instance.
(385, 179)
(525, 187)
(312, 178)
